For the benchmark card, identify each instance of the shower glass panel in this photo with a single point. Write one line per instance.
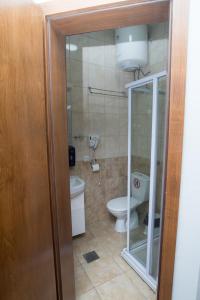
(141, 127)
(146, 155)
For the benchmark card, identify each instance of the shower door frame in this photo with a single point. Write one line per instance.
(144, 272)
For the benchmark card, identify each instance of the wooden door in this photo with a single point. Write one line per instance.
(27, 270)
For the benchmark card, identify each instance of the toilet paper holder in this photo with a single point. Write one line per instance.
(95, 165)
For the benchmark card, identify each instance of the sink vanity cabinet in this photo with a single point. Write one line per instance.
(77, 187)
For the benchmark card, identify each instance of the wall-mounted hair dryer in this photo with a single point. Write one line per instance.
(93, 141)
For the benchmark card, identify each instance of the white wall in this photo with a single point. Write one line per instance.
(186, 276)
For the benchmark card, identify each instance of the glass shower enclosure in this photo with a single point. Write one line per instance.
(146, 154)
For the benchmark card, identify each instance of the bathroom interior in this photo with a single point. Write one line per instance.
(117, 121)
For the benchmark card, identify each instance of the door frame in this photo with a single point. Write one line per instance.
(130, 12)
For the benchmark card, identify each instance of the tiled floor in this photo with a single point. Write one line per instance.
(109, 277)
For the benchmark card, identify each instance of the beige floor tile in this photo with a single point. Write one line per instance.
(119, 288)
(101, 229)
(91, 295)
(111, 275)
(104, 231)
(102, 270)
(84, 238)
(141, 285)
(82, 282)
(78, 270)
(113, 245)
(92, 245)
(152, 296)
(122, 263)
(76, 261)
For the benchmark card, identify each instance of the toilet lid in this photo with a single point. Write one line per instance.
(119, 204)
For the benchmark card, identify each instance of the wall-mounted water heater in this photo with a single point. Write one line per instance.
(132, 47)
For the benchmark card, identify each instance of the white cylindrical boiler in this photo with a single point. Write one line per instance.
(132, 47)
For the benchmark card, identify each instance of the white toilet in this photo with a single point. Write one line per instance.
(139, 194)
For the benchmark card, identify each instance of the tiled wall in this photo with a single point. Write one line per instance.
(109, 183)
(158, 47)
(142, 110)
(94, 64)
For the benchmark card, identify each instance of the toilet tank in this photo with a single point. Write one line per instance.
(140, 186)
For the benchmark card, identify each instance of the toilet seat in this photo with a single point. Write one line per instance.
(119, 204)
(118, 207)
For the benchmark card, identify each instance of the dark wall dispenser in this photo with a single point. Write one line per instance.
(72, 156)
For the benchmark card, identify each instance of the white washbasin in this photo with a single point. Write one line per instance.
(77, 186)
